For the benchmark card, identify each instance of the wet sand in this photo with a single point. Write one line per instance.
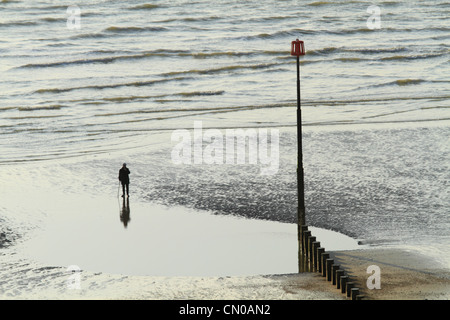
(405, 274)
(174, 253)
(159, 253)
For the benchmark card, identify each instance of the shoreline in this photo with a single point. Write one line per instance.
(39, 271)
(77, 222)
(405, 275)
(144, 239)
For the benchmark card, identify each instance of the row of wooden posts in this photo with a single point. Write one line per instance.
(314, 258)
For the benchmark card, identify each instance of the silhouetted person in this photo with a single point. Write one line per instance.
(124, 179)
(125, 213)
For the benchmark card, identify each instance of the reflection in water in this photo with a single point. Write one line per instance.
(125, 212)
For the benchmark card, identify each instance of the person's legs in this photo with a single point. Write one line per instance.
(123, 189)
(128, 189)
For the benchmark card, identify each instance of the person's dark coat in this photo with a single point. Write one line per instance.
(123, 175)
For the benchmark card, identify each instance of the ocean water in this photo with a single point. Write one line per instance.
(80, 96)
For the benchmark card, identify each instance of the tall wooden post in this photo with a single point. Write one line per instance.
(300, 171)
(298, 49)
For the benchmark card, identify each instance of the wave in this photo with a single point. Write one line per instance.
(161, 53)
(141, 98)
(370, 100)
(149, 54)
(18, 23)
(124, 99)
(285, 104)
(376, 52)
(50, 19)
(147, 6)
(201, 19)
(54, 7)
(7, 108)
(180, 113)
(273, 18)
(414, 57)
(61, 44)
(365, 51)
(201, 93)
(96, 35)
(349, 59)
(36, 108)
(324, 51)
(296, 32)
(366, 122)
(223, 69)
(143, 55)
(191, 19)
(114, 29)
(403, 82)
(389, 3)
(117, 30)
(327, 3)
(156, 53)
(27, 117)
(407, 82)
(200, 110)
(73, 62)
(203, 55)
(196, 55)
(400, 82)
(31, 23)
(279, 34)
(108, 86)
(319, 3)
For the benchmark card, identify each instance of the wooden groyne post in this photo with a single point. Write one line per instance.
(314, 258)
(311, 257)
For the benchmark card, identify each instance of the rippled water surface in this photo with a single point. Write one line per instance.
(375, 105)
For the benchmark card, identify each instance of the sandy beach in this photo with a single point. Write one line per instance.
(405, 274)
(139, 249)
(84, 253)
(403, 281)
(161, 253)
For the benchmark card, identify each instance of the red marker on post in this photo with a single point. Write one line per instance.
(297, 50)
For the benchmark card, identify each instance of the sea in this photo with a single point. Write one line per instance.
(88, 85)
